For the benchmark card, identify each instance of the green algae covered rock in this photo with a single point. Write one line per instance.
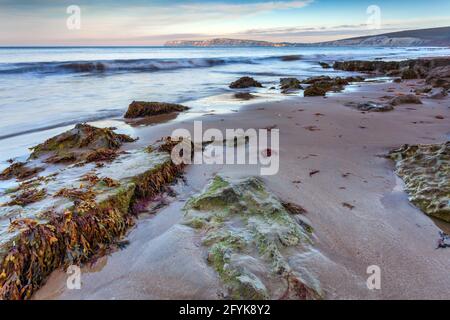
(249, 233)
(425, 169)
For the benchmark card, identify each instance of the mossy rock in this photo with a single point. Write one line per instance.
(425, 169)
(139, 109)
(241, 221)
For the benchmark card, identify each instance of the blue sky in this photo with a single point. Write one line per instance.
(147, 22)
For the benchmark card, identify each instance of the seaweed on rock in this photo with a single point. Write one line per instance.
(82, 231)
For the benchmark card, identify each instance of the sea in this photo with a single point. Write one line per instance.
(46, 90)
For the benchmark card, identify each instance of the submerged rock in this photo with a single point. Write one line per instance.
(140, 109)
(425, 169)
(78, 143)
(244, 96)
(289, 84)
(248, 233)
(370, 106)
(245, 82)
(406, 99)
(320, 85)
(324, 65)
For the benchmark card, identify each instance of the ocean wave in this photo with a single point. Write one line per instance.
(112, 66)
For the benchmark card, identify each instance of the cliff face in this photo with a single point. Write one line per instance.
(223, 42)
(439, 37)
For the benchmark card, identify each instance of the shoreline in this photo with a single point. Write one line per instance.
(383, 228)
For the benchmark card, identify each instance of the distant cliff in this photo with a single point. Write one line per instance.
(224, 42)
(439, 37)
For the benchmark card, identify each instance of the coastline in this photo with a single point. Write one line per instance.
(382, 229)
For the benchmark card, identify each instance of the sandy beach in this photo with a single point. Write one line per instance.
(355, 202)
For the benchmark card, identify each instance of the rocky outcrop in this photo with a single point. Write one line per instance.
(425, 169)
(325, 65)
(73, 213)
(288, 85)
(245, 82)
(319, 86)
(436, 71)
(79, 144)
(248, 233)
(140, 109)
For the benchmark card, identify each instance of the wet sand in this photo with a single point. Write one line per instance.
(165, 259)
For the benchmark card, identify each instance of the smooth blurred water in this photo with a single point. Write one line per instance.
(42, 90)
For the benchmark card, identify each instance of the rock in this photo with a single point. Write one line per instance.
(366, 66)
(248, 233)
(20, 171)
(289, 84)
(245, 82)
(74, 214)
(319, 86)
(439, 77)
(76, 144)
(425, 169)
(370, 106)
(406, 99)
(440, 94)
(139, 109)
(422, 90)
(324, 65)
(313, 90)
(397, 80)
(244, 96)
(409, 74)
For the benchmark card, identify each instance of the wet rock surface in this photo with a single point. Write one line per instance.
(319, 86)
(405, 99)
(370, 106)
(245, 82)
(249, 236)
(425, 169)
(140, 109)
(82, 143)
(69, 214)
(288, 85)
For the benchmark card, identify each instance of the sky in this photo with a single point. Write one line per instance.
(153, 22)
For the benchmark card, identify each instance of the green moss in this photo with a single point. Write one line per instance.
(240, 221)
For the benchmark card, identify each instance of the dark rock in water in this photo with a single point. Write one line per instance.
(397, 80)
(78, 143)
(291, 58)
(324, 65)
(319, 86)
(289, 84)
(244, 96)
(409, 74)
(406, 99)
(245, 82)
(139, 109)
(370, 106)
(425, 169)
(314, 90)
(366, 66)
